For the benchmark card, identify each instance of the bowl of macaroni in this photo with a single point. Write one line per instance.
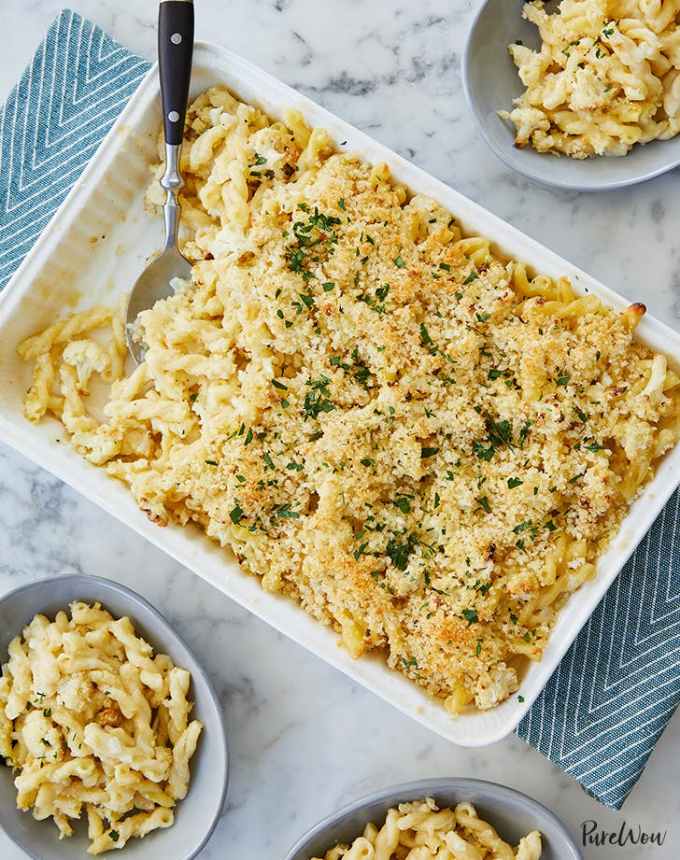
(463, 818)
(111, 733)
(580, 94)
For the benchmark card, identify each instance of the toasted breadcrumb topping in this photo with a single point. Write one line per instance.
(417, 441)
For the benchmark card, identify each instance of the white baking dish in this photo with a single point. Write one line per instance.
(93, 250)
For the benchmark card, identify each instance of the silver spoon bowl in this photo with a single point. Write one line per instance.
(175, 54)
(156, 281)
(491, 82)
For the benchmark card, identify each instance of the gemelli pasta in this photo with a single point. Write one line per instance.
(607, 76)
(420, 441)
(420, 831)
(95, 725)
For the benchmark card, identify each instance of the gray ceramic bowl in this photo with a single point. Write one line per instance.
(197, 814)
(491, 82)
(512, 813)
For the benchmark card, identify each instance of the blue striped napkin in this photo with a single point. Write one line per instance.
(613, 694)
(52, 123)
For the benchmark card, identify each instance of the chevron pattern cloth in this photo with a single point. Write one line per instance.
(53, 121)
(613, 694)
(617, 687)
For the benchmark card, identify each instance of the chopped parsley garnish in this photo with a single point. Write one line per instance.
(470, 278)
(279, 385)
(445, 267)
(563, 379)
(360, 551)
(381, 292)
(500, 432)
(594, 447)
(436, 500)
(236, 514)
(478, 649)
(211, 462)
(114, 835)
(403, 503)
(425, 338)
(470, 615)
(259, 160)
(366, 461)
(399, 262)
(362, 375)
(285, 512)
(249, 437)
(428, 452)
(550, 525)
(268, 460)
(47, 712)
(328, 286)
(317, 400)
(521, 527)
(582, 416)
(483, 502)
(520, 699)
(494, 373)
(313, 236)
(483, 317)
(524, 432)
(514, 482)
(482, 452)
(341, 204)
(399, 553)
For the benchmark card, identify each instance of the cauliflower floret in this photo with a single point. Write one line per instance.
(654, 387)
(501, 683)
(527, 120)
(529, 846)
(41, 737)
(87, 357)
(588, 91)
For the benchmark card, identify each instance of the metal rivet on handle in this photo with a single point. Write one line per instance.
(176, 38)
(173, 116)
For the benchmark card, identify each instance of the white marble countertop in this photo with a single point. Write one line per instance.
(303, 738)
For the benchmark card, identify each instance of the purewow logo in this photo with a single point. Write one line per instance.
(627, 834)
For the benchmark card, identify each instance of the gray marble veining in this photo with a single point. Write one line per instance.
(304, 739)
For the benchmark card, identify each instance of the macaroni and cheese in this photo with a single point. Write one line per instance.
(95, 724)
(420, 831)
(423, 443)
(607, 76)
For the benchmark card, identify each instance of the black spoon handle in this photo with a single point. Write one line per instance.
(175, 50)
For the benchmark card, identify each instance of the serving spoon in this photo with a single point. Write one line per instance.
(175, 51)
